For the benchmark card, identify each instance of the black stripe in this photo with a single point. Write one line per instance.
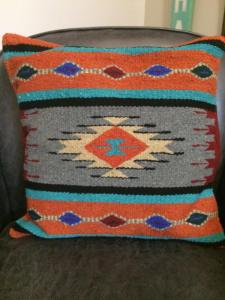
(24, 47)
(58, 102)
(216, 43)
(115, 190)
(36, 48)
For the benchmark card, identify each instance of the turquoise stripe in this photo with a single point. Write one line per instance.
(34, 229)
(139, 94)
(117, 198)
(213, 50)
(210, 49)
(8, 55)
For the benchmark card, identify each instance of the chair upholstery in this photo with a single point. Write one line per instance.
(100, 268)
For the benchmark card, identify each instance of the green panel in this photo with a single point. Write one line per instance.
(182, 13)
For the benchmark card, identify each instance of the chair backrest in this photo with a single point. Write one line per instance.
(12, 203)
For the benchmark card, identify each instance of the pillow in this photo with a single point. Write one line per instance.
(119, 142)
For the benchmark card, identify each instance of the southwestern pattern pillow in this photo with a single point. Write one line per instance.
(118, 141)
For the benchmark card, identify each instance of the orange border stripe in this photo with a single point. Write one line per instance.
(86, 209)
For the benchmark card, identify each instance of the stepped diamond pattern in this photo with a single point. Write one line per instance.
(115, 146)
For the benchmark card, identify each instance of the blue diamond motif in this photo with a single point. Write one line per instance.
(158, 71)
(197, 218)
(68, 69)
(158, 222)
(70, 218)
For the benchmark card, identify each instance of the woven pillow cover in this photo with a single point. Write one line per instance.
(118, 141)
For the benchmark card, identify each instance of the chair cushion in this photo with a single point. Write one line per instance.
(120, 141)
(103, 268)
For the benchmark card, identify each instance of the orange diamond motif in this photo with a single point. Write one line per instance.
(115, 146)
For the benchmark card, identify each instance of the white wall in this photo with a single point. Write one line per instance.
(207, 18)
(157, 13)
(28, 17)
